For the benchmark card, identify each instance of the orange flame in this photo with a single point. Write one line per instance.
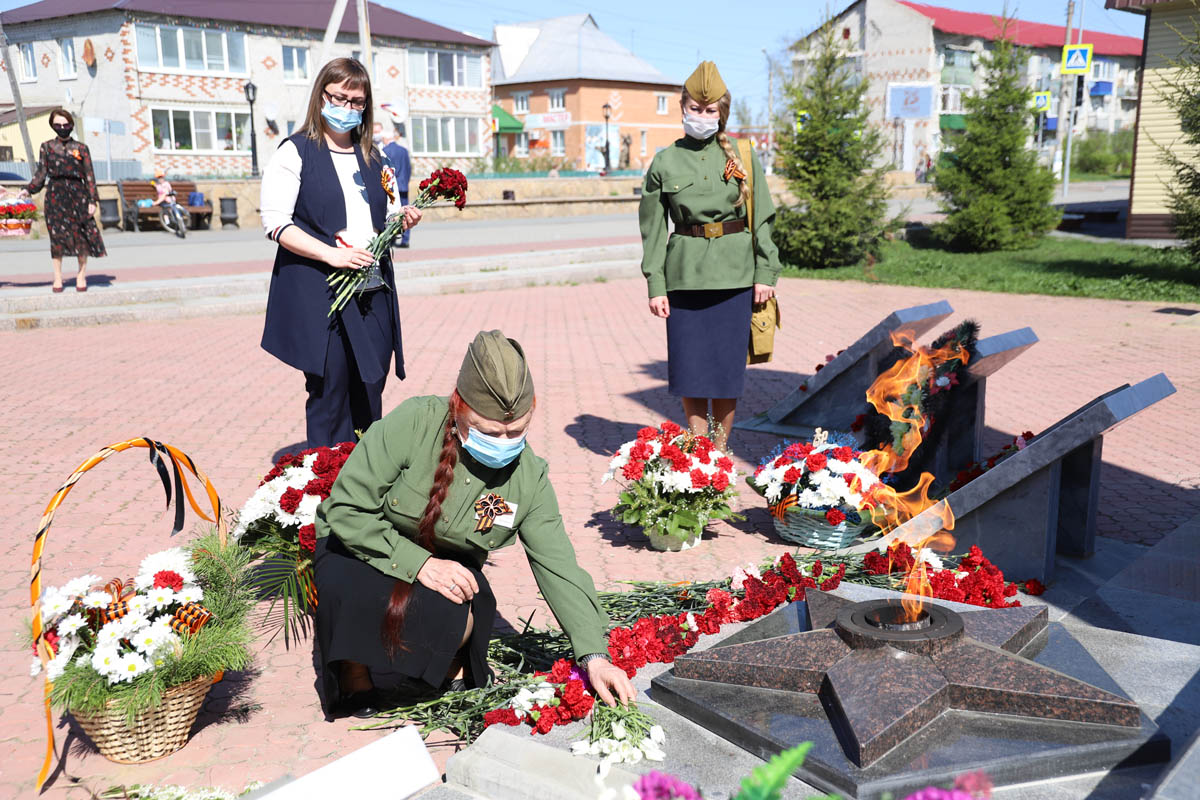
(893, 394)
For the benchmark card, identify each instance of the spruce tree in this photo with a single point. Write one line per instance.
(1182, 95)
(995, 194)
(830, 157)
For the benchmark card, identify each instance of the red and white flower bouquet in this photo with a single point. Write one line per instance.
(276, 524)
(675, 483)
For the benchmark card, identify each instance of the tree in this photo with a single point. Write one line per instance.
(743, 115)
(995, 194)
(1182, 95)
(829, 154)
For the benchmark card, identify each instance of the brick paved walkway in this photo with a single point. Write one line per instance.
(599, 362)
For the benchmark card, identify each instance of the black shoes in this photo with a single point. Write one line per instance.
(361, 705)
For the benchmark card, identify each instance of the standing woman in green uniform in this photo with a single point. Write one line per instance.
(426, 496)
(704, 275)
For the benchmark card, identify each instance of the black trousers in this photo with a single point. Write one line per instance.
(339, 402)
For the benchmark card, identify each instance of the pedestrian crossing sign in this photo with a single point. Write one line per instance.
(1077, 59)
(1041, 101)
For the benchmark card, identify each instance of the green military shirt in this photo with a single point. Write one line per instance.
(382, 490)
(686, 182)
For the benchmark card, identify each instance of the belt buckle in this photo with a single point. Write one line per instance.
(713, 229)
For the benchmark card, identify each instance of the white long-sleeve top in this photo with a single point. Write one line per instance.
(281, 186)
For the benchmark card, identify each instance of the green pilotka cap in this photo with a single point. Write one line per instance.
(705, 84)
(494, 379)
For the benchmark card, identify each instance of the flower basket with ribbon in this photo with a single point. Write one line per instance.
(16, 218)
(132, 660)
(816, 490)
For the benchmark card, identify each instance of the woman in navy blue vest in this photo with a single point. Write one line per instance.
(322, 201)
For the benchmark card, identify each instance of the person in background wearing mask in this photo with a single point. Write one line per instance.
(704, 275)
(71, 199)
(423, 500)
(322, 202)
(397, 154)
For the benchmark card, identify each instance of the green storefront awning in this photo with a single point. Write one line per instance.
(954, 122)
(506, 122)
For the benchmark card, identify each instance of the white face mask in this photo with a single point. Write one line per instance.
(700, 127)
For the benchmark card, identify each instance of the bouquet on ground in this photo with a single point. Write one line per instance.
(675, 483)
(970, 473)
(822, 482)
(443, 184)
(183, 617)
(557, 697)
(276, 526)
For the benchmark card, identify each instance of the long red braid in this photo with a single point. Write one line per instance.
(393, 619)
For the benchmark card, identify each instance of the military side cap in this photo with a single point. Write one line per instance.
(494, 379)
(705, 84)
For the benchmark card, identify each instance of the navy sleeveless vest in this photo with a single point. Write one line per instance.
(296, 329)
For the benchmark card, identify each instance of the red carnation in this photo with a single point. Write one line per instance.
(308, 538)
(1034, 587)
(671, 428)
(290, 500)
(858, 423)
(51, 637)
(720, 481)
(561, 671)
(640, 451)
(725, 464)
(319, 487)
(699, 479)
(633, 471)
(501, 716)
(792, 475)
(797, 451)
(844, 454)
(816, 461)
(835, 517)
(168, 579)
(646, 433)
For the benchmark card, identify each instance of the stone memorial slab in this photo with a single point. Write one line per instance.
(900, 705)
(834, 396)
(1043, 499)
(961, 443)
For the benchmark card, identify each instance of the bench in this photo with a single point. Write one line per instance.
(133, 191)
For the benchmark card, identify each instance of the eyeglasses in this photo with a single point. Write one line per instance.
(340, 100)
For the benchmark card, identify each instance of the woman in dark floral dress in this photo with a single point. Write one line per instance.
(71, 199)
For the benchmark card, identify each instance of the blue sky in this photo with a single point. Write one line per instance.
(674, 36)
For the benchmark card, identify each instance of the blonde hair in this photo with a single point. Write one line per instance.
(723, 106)
(354, 75)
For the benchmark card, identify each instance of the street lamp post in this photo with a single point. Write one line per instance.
(607, 159)
(251, 93)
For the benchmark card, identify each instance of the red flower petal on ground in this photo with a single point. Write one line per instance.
(168, 579)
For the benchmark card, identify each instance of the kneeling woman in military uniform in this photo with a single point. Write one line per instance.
(703, 275)
(430, 491)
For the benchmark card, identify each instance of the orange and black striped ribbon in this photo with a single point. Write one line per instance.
(779, 510)
(160, 454)
(190, 617)
(487, 509)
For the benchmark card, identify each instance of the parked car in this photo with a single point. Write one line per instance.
(12, 176)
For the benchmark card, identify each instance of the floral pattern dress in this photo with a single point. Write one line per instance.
(68, 166)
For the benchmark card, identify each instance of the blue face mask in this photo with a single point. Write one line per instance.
(342, 119)
(493, 451)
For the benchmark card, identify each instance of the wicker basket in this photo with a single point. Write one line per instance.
(807, 527)
(161, 730)
(156, 732)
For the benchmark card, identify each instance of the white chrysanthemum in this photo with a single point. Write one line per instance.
(136, 621)
(160, 598)
(148, 640)
(173, 560)
(773, 493)
(138, 603)
(131, 665)
(96, 599)
(112, 633)
(106, 659)
(56, 603)
(70, 624)
(80, 585)
(56, 665)
(190, 594)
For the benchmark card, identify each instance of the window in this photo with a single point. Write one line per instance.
(643, 147)
(447, 135)
(958, 66)
(558, 99)
(28, 62)
(558, 143)
(952, 97)
(661, 103)
(207, 51)
(445, 68)
(66, 59)
(212, 131)
(522, 148)
(295, 63)
(357, 56)
(520, 102)
(1104, 70)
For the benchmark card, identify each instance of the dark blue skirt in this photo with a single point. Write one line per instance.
(708, 336)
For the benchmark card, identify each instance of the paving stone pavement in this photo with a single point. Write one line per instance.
(598, 359)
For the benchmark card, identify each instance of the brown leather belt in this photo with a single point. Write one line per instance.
(711, 230)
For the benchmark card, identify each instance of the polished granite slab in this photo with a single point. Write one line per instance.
(853, 716)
